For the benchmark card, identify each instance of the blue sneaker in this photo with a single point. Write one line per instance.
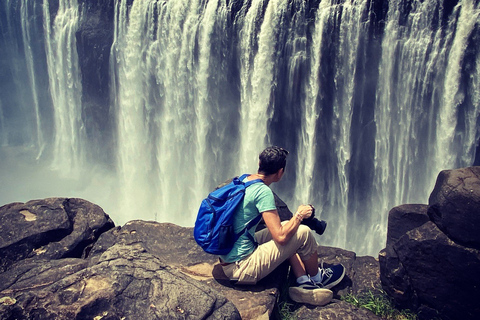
(331, 276)
(310, 293)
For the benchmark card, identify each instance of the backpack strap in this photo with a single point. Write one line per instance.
(255, 220)
(248, 183)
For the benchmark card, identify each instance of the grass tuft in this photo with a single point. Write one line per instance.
(380, 304)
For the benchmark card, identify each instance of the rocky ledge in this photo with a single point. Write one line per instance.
(64, 258)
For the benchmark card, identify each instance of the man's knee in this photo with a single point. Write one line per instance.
(304, 232)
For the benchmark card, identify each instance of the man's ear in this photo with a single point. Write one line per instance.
(280, 173)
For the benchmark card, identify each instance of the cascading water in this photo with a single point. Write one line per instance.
(371, 97)
(418, 105)
(27, 39)
(65, 85)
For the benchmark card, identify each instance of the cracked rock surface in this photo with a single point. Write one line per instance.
(55, 266)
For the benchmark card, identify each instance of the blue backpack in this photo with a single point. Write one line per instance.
(213, 229)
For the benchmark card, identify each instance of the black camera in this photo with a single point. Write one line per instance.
(313, 223)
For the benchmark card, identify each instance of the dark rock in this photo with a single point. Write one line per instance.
(361, 273)
(431, 267)
(366, 275)
(336, 310)
(404, 218)
(425, 270)
(52, 228)
(455, 205)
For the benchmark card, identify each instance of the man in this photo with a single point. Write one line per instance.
(248, 262)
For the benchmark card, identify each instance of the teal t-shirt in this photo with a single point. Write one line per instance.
(258, 198)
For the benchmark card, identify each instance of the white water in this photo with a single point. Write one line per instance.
(417, 105)
(334, 198)
(27, 39)
(453, 97)
(65, 86)
(196, 95)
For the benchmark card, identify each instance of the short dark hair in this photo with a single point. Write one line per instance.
(272, 159)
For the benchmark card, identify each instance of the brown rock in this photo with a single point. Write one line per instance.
(404, 218)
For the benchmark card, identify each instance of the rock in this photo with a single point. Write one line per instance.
(404, 218)
(361, 273)
(425, 270)
(52, 228)
(454, 205)
(64, 259)
(431, 265)
(335, 310)
(177, 247)
(127, 282)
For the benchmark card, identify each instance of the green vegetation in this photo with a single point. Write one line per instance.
(380, 304)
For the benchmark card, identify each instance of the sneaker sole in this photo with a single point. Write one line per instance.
(316, 297)
(333, 284)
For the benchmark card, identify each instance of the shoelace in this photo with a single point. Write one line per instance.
(328, 272)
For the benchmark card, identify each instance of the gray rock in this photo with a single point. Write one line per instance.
(177, 247)
(76, 264)
(454, 205)
(127, 282)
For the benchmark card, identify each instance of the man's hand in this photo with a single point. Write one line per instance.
(305, 211)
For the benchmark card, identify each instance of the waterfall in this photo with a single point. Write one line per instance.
(65, 85)
(371, 97)
(449, 143)
(259, 80)
(418, 101)
(170, 135)
(333, 197)
(27, 39)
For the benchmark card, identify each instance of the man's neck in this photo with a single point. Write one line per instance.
(267, 179)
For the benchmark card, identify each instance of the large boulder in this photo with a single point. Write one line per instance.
(51, 228)
(454, 205)
(428, 265)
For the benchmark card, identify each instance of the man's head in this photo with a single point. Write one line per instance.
(272, 159)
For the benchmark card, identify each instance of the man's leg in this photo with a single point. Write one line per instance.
(270, 255)
(302, 268)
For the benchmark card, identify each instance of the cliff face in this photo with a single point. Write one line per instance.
(94, 43)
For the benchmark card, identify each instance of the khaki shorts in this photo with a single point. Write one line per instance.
(270, 255)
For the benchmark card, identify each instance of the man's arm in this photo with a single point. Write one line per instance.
(282, 233)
